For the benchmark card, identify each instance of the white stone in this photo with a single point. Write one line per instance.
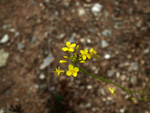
(122, 110)
(4, 39)
(107, 56)
(3, 57)
(96, 8)
(47, 61)
(81, 11)
(89, 87)
(146, 51)
(2, 110)
(89, 41)
(42, 76)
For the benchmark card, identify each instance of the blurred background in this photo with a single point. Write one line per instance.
(32, 33)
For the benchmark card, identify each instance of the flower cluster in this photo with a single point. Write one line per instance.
(74, 58)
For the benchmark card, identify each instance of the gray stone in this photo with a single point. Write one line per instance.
(133, 66)
(104, 44)
(47, 61)
(118, 25)
(4, 39)
(133, 80)
(3, 57)
(20, 45)
(88, 105)
(17, 34)
(72, 38)
(60, 36)
(107, 33)
(110, 73)
(102, 91)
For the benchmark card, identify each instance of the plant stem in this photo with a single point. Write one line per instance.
(108, 81)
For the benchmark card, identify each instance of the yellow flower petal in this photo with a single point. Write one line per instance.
(85, 50)
(88, 55)
(77, 47)
(58, 71)
(68, 44)
(91, 50)
(73, 45)
(68, 73)
(75, 74)
(76, 69)
(65, 56)
(71, 49)
(70, 67)
(82, 61)
(112, 90)
(81, 51)
(84, 57)
(62, 61)
(65, 49)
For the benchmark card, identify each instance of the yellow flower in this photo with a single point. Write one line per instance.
(58, 71)
(84, 54)
(77, 48)
(72, 71)
(82, 61)
(112, 90)
(69, 47)
(66, 57)
(92, 52)
(62, 61)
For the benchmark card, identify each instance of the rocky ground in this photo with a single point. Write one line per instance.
(32, 33)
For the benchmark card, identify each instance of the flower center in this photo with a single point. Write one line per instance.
(72, 71)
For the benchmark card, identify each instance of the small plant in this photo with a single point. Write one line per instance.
(75, 58)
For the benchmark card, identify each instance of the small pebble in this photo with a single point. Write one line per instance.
(3, 57)
(96, 8)
(104, 44)
(42, 76)
(36, 86)
(17, 34)
(102, 91)
(4, 39)
(47, 61)
(88, 105)
(89, 87)
(122, 110)
(81, 12)
(110, 73)
(2, 110)
(146, 51)
(107, 33)
(88, 41)
(107, 56)
(133, 80)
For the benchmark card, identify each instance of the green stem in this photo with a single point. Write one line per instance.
(108, 81)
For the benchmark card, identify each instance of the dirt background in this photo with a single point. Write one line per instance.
(36, 30)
